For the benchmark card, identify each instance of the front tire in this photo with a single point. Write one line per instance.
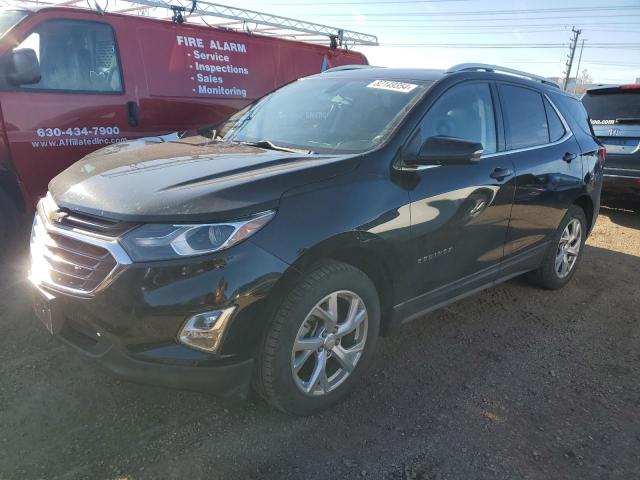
(563, 255)
(320, 341)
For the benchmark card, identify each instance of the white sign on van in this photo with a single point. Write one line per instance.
(393, 86)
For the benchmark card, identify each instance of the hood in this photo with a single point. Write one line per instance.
(188, 179)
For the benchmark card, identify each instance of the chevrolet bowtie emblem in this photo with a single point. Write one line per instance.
(56, 215)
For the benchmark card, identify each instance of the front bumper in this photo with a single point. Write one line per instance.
(171, 365)
(131, 326)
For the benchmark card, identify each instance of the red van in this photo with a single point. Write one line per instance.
(73, 80)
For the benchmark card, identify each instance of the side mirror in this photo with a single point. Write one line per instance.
(24, 68)
(449, 151)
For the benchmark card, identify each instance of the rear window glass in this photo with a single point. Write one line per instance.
(526, 117)
(556, 129)
(606, 108)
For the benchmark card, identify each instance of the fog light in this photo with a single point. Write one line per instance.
(204, 331)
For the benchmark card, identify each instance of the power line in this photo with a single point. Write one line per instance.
(385, 2)
(426, 14)
(619, 46)
(496, 12)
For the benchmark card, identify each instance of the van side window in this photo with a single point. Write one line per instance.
(75, 56)
(556, 128)
(466, 112)
(525, 117)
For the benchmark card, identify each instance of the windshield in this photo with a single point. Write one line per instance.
(326, 115)
(9, 18)
(608, 107)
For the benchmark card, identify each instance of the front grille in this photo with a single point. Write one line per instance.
(64, 259)
(93, 224)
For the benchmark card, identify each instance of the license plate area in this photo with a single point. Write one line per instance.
(46, 309)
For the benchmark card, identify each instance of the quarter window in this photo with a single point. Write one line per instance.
(75, 56)
(525, 117)
(556, 128)
(465, 112)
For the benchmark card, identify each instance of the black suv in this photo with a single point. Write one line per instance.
(615, 116)
(275, 250)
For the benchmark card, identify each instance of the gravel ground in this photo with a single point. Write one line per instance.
(513, 382)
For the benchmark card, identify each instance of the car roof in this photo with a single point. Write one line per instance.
(370, 72)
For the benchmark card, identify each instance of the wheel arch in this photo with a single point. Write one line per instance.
(585, 202)
(362, 250)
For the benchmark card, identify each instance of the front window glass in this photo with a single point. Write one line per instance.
(9, 18)
(464, 112)
(75, 56)
(326, 115)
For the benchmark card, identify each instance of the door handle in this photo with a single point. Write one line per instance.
(132, 114)
(501, 173)
(567, 157)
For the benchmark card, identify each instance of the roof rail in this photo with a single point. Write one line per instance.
(348, 67)
(232, 18)
(470, 67)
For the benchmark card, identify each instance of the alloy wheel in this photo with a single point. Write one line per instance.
(329, 343)
(568, 248)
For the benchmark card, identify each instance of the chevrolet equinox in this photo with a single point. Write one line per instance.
(274, 250)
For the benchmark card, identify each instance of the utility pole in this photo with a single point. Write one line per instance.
(578, 69)
(572, 52)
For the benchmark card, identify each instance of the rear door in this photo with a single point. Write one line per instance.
(79, 105)
(615, 117)
(549, 172)
(460, 213)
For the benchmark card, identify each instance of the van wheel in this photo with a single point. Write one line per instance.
(320, 341)
(564, 253)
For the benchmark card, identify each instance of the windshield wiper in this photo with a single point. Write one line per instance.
(268, 144)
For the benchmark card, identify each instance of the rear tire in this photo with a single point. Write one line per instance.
(320, 340)
(564, 253)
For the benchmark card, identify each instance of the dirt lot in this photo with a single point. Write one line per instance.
(513, 382)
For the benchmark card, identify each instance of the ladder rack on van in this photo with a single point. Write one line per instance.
(223, 16)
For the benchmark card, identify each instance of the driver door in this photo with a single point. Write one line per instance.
(79, 104)
(460, 213)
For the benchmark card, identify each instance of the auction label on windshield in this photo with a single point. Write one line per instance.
(393, 86)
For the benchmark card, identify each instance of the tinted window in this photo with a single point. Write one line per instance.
(76, 56)
(623, 104)
(525, 117)
(326, 114)
(576, 111)
(556, 129)
(465, 111)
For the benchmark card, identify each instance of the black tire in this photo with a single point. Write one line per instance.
(8, 222)
(274, 379)
(546, 276)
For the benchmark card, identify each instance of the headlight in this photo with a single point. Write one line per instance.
(163, 242)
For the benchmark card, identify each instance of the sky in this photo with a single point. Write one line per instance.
(531, 35)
